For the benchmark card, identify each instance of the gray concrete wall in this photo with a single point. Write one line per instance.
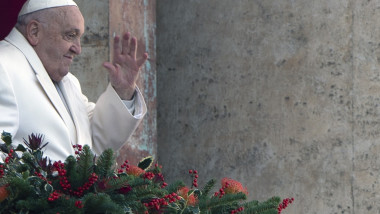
(87, 67)
(103, 19)
(282, 95)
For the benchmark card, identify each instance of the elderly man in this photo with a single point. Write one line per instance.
(39, 95)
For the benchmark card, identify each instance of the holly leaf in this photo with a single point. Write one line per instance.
(190, 192)
(4, 148)
(194, 210)
(7, 138)
(197, 193)
(20, 148)
(48, 188)
(145, 163)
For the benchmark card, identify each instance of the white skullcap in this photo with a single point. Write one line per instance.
(35, 5)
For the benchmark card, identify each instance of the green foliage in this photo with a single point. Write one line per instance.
(174, 187)
(105, 164)
(223, 204)
(101, 203)
(82, 185)
(145, 163)
(85, 163)
(19, 188)
(207, 188)
(7, 138)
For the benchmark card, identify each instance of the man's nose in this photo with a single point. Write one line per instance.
(76, 47)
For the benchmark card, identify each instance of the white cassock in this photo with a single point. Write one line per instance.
(30, 103)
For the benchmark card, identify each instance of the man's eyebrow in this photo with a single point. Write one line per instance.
(76, 30)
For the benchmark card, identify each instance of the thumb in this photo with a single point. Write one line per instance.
(110, 67)
(113, 70)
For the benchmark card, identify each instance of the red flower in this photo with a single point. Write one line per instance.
(134, 170)
(125, 190)
(191, 199)
(103, 184)
(232, 186)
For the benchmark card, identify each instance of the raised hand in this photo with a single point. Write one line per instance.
(125, 66)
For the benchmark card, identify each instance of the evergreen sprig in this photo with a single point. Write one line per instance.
(30, 183)
(105, 164)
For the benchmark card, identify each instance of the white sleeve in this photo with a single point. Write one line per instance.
(112, 122)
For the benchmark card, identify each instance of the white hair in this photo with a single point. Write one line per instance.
(43, 16)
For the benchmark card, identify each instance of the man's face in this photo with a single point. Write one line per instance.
(60, 41)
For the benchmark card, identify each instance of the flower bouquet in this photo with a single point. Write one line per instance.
(84, 183)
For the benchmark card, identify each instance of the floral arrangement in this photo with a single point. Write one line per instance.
(84, 183)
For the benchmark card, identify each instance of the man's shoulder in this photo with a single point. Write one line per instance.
(11, 58)
(8, 51)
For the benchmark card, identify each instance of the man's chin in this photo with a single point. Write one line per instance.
(59, 76)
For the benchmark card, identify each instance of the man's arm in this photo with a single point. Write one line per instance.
(113, 122)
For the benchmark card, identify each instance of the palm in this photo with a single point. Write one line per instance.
(125, 67)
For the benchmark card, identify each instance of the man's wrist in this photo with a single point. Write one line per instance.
(125, 94)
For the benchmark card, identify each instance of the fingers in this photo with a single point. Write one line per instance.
(125, 51)
(125, 43)
(116, 45)
(142, 60)
(133, 48)
(128, 45)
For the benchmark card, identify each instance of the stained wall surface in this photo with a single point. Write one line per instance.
(139, 18)
(103, 20)
(282, 95)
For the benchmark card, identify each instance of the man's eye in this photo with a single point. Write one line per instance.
(71, 35)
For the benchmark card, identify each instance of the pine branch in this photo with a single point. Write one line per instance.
(207, 188)
(105, 164)
(85, 163)
(101, 203)
(72, 173)
(39, 205)
(226, 200)
(138, 182)
(267, 207)
(113, 184)
(19, 189)
(149, 193)
(174, 187)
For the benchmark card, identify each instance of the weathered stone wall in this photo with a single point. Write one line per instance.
(139, 18)
(282, 95)
(87, 67)
(104, 19)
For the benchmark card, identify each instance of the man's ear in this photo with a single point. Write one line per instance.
(33, 32)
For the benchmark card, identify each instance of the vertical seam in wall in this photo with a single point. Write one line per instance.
(110, 36)
(352, 104)
(147, 136)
